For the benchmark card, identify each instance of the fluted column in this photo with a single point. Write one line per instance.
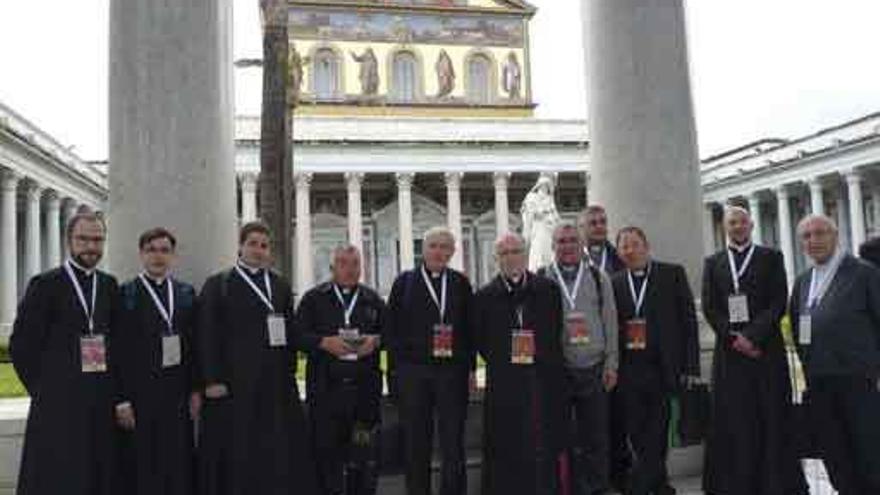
(354, 182)
(32, 249)
(453, 216)
(709, 228)
(53, 229)
(755, 212)
(786, 243)
(405, 227)
(248, 196)
(9, 248)
(68, 210)
(856, 209)
(304, 269)
(502, 206)
(817, 197)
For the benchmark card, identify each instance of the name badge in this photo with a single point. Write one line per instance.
(738, 308)
(805, 335)
(576, 328)
(277, 330)
(352, 337)
(636, 334)
(171, 352)
(442, 341)
(522, 346)
(93, 352)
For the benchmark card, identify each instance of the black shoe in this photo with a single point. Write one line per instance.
(666, 489)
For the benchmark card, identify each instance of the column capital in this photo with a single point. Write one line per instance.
(853, 176)
(453, 179)
(354, 179)
(501, 179)
(814, 181)
(249, 180)
(781, 190)
(32, 190)
(404, 179)
(303, 180)
(8, 179)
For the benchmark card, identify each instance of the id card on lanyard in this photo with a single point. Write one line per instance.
(442, 334)
(636, 329)
(575, 321)
(522, 342)
(817, 290)
(92, 347)
(348, 333)
(738, 303)
(171, 348)
(276, 326)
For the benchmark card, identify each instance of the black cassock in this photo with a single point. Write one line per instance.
(69, 438)
(163, 436)
(524, 425)
(749, 446)
(254, 441)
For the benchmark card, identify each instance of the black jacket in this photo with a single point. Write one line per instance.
(845, 324)
(413, 314)
(320, 314)
(613, 263)
(671, 320)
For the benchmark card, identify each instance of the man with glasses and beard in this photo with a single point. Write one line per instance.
(62, 349)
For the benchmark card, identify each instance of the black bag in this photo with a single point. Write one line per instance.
(693, 418)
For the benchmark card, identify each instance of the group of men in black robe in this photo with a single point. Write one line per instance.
(150, 388)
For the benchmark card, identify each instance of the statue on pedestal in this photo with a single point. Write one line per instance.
(369, 72)
(539, 218)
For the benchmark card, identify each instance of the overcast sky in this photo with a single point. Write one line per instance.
(779, 68)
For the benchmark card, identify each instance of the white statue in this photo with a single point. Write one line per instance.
(539, 218)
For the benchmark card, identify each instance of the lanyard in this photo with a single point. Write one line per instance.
(737, 274)
(89, 312)
(267, 300)
(167, 315)
(604, 260)
(519, 309)
(817, 287)
(441, 301)
(570, 296)
(519, 316)
(639, 299)
(347, 311)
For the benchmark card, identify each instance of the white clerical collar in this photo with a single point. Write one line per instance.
(251, 269)
(345, 290)
(157, 281)
(87, 271)
(596, 248)
(740, 248)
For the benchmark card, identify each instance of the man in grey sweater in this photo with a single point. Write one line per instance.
(590, 347)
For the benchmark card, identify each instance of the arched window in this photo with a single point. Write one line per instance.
(404, 76)
(326, 67)
(479, 78)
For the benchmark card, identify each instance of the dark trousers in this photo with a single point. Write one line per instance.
(646, 400)
(619, 452)
(346, 450)
(426, 390)
(846, 417)
(587, 406)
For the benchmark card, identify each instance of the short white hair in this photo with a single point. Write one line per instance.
(731, 210)
(437, 232)
(824, 219)
(342, 250)
(563, 226)
(507, 236)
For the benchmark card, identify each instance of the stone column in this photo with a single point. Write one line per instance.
(875, 206)
(304, 269)
(248, 196)
(817, 198)
(502, 205)
(755, 211)
(68, 210)
(453, 216)
(32, 249)
(856, 209)
(643, 148)
(709, 228)
(786, 241)
(171, 132)
(53, 230)
(9, 248)
(354, 181)
(405, 227)
(586, 189)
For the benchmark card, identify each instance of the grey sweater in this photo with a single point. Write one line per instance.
(602, 324)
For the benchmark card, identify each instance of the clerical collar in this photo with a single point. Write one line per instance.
(740, 248)
(345, 290)
(433, 274)
(641, 272)
(86, 271)
(250, 269)
(512, 284)
(157, 281)
(597, 248)
(569, 268)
